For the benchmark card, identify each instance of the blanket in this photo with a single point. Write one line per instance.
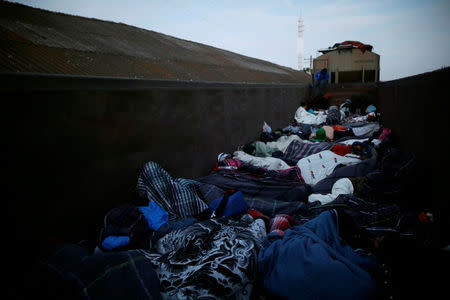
(270, 163)
(70, 272)
(269, 195)
(214, 259)
(369, 215)
(361, 169)
(318, 166)
(284, 141)
(311, 261)
(298, 150)
(341, 187)
(304, 117)
(178, 197)
(367, 129)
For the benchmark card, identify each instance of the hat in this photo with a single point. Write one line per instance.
(222, 156)
(320, 136)
(370, 108)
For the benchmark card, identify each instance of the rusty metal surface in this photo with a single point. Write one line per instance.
(39, 41)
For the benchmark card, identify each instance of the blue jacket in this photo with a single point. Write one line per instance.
(320, 76)
(312, 262)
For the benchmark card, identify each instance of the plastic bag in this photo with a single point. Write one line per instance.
(266, 128)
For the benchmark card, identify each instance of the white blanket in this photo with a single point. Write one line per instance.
(341, 187)
(283, 142)
(304, 117)
(376, 142)
(318, 166)
(368, 128)
(270, 163)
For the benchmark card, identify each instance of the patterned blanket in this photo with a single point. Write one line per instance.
(213, 259)
(178, 197)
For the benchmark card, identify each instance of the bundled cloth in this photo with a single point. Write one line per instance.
(366, 129)
(341, 149)
(214, 259)
(333, 116)
(341, 187)
(302, 130)
(284, 141)
(304, 117)
(178, 197)
(270, 163)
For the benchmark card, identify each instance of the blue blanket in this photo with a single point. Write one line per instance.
(311, 261)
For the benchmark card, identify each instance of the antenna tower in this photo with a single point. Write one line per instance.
(300, 43)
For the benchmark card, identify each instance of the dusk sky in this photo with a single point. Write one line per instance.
(412, 37)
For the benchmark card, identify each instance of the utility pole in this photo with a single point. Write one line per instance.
(310, 62)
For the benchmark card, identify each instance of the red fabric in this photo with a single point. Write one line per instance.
(258, 215)
(228, 163)
(361, 46)
(341, 149)
(423, 217)
(386, 132)
(339, 128)
(232, 162)
(280, 223)
(280, 232)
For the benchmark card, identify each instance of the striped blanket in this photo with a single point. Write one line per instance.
(269, 195)
(298, 150)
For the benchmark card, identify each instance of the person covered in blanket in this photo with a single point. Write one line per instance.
(345, 108)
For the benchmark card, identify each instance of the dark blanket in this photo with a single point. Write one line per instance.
(365, 214)
(71, 273)
(214, 259)
(357, 170)
(302, 130)
(298, 150)
(395, 180)
(268, 195)
(293, 174)
(311, 261)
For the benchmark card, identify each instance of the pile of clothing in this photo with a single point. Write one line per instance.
(305, 212)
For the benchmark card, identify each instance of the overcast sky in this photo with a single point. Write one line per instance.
(411, 36)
